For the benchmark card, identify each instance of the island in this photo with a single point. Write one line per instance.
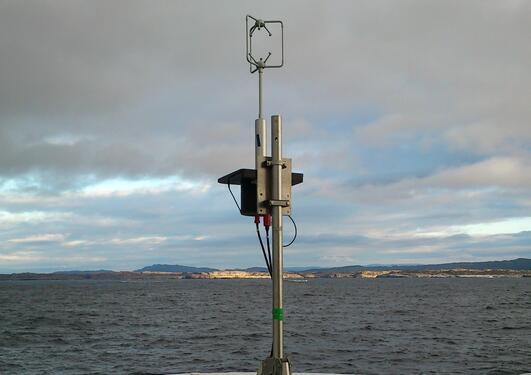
(520, 267)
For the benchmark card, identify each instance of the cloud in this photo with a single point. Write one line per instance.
(121, 187)
(503, 172)
(153, 240)
(8, 219)
(507, 226)
(38, 238)
(472, 181)
(410, 122)
(149, 78)
(21, 257)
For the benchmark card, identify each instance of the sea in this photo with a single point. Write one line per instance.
(351, 326)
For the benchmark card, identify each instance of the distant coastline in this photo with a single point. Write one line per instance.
(520, 267)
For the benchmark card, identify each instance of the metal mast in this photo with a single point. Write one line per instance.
(270, 183)
(266, 191)
(276, 212)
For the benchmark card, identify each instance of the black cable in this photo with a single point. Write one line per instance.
(267, 260)
(269, 248)
(268, 264)
(295, 236)
(233, 197)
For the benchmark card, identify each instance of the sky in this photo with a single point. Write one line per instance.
(410, 120)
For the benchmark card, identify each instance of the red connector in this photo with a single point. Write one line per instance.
(267, 221)
(257, 219)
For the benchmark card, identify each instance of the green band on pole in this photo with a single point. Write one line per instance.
(278, 313)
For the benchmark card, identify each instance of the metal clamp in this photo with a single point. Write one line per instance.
(279, 202)
(270, 163)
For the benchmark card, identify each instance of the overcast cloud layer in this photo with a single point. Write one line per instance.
(410, 120)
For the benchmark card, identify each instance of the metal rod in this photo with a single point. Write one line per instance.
(260, 72)
(276, 212)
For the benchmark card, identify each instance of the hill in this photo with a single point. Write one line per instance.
(515, 264)
(78, 272)
(174, 268)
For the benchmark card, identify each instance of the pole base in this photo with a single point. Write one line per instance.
(275, 366)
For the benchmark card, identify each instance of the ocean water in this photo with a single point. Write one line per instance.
(380, 326)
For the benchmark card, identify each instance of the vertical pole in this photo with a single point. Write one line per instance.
(260, 141)
(260, 144)
(260, 150)
(260, 72)
(276, 211)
